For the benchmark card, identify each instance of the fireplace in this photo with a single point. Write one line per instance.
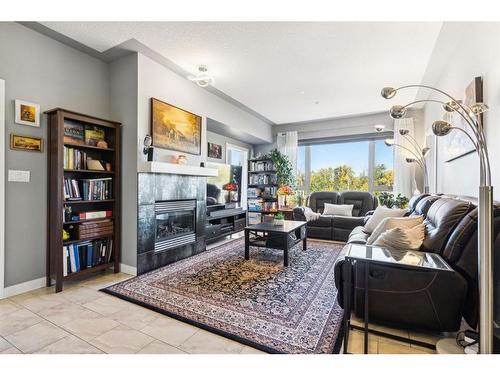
(175, 223)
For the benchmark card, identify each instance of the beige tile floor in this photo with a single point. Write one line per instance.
(81, 319)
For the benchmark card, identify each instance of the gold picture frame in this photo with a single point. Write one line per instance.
(173, 128)
(26, 143)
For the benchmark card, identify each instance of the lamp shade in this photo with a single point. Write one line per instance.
(397, 111)
(389, 141)
(388, 92)
(452, 105)
(441, 128)
(404, 131)
(479, 108)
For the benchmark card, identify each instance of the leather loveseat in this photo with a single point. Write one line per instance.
(333, 227)
(426, 299)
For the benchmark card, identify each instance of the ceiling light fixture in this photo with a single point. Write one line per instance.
(202, 78)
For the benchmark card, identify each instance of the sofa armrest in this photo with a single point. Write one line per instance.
(298, 214)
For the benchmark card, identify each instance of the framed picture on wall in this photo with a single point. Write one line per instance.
(175, 129)
(27, 113)
(25, 143)
(214, 151)
(457, 144)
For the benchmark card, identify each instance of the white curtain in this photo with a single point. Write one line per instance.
(287, 144)
(404, 173)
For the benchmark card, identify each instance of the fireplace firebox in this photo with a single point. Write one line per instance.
(175, 223)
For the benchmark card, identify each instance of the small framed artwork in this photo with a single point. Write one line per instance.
(27, 113)
(25, 143)
(214, 151)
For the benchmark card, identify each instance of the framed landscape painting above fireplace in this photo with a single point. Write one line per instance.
(174, 128)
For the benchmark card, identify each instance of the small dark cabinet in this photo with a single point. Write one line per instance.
(223, 223)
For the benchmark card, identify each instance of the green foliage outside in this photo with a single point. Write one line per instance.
(343, 178)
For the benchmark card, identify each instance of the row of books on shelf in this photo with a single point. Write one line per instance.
(75, 159)
(267, 192)
(88, 189)
(69, 215)
(257, 166)
(78, 257)
(263, 179)
(256, 205)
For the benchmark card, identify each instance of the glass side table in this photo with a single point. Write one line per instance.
(368, 255)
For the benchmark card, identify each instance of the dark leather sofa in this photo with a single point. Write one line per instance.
(426, 299)
(332, 227)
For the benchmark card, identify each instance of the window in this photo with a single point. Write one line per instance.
(365, 165)
(383, 174)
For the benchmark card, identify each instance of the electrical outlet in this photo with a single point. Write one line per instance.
(18, 176)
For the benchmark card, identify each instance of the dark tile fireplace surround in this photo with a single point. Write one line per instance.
(171, 219)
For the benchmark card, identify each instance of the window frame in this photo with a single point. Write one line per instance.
(372, 188)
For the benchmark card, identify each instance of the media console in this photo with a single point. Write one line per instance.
(222, 223)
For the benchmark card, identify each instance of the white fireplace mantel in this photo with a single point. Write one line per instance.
(171, 168)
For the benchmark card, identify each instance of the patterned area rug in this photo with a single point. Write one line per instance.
(257, 302)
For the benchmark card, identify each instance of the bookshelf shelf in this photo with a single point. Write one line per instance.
(64, 128)
(88, 171)
(86, 271)
(87, 239)
(88, 147)
(88, 220)
(83, 201)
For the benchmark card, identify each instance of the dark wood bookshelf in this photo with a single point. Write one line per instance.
(57, 203)
(265, 199)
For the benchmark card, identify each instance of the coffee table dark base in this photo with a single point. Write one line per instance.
(275, 238)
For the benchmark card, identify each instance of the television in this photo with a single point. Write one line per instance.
(225, 189)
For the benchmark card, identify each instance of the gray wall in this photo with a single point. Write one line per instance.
(157, 81)
(222, 140)
(123, 93)
(475, 52)
(43, 71)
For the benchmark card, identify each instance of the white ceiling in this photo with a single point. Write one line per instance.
(286, 71)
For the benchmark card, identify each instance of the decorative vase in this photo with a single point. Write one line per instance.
(282, 201)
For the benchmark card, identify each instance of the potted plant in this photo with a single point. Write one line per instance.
(279, 219)
(389, 200)
(283, 167)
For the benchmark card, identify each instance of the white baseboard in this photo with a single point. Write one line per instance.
(129, 270)
(28, 286)
(21, 288)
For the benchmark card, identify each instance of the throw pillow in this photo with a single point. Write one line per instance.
(338, 209)
(394, 222)
(402, 239)
(380, 214)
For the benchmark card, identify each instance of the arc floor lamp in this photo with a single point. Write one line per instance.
(418, 152)
(472, 117)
